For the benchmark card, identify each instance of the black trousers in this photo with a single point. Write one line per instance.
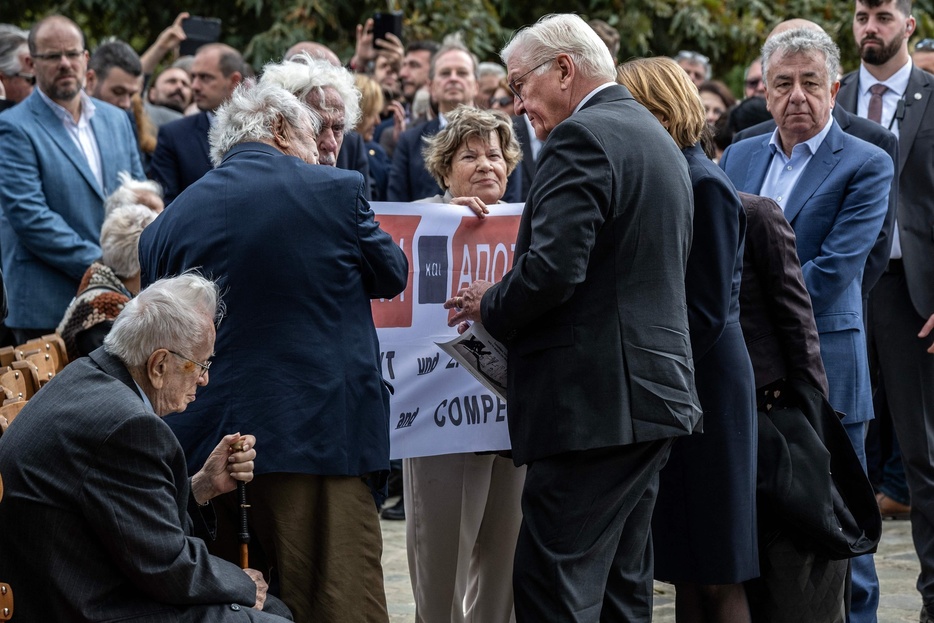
(584, 552)
(905, 371)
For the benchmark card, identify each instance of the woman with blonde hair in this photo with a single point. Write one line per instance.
(462, 510)
(704, 525)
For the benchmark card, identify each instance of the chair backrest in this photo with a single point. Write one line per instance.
(7, 356)
(6, 593)
(10, 410)
(29, 375)
(55, 356)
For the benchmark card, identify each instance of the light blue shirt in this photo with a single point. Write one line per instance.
(784, 172)
(81, 132)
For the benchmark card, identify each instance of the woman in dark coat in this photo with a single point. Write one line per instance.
(704, 526)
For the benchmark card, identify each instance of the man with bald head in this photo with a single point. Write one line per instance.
(60, 153)
(314, 50)
(182, 151)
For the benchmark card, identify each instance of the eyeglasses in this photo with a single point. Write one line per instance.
(515, 85)
(501, 101)
(925, 45)
(694, 57)
(204, 366)
(28, 78)
(70, 55)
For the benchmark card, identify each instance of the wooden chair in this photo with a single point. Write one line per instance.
(44, 362)
(7, 356)
(6, 593)
(55, 356)
(10, 410)
(56, 342)
(25, 379)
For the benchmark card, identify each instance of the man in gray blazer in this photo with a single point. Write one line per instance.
(903, 298)
(601, 375)
(97, 495)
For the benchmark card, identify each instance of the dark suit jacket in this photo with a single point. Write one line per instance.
(409, 180)
(915, 173)
(528, 165)
(95, 510)
(836, 210)
(870, 132)
(594, 309)
(353, 157)
(299, 255)
(182, 154)
(775, 308)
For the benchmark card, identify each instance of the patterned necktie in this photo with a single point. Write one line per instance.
(875, 102)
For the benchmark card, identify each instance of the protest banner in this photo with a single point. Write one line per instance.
(437, 407)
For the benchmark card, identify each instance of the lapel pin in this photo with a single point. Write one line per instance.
(917, 96)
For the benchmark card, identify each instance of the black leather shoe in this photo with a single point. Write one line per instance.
(396, 512)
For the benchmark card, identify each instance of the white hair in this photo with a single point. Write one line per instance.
(491, 69)
(172, 313)
(120, 238)
(251, 114)
(303, 75)
(561, 33)
(802, 41)
(125, 194)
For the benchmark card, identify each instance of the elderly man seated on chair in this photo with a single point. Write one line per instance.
(96, 523)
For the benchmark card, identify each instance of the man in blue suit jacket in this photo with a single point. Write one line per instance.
(60, 153)
(182, 152)
(296, 249)
(833, 189)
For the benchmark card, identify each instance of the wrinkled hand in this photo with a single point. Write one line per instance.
(474, 203)
(230, 461)
(926, 330)
(467, 304)
(261, 587)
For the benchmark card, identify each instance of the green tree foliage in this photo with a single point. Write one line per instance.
(729, 32)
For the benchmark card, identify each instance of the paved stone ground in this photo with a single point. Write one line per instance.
(896, 564)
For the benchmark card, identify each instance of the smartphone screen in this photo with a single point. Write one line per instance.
(199, 30)
(387, 22)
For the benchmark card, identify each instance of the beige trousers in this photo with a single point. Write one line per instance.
(462, 520)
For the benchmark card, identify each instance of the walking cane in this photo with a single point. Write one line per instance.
(244, 527)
